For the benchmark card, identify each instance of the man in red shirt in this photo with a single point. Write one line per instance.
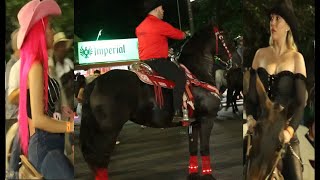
(153, 34)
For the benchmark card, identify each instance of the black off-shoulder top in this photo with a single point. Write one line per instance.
(285, 87)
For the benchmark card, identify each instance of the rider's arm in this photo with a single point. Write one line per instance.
(300, 91)
(169, 31)
(39, 119)
(251, 99)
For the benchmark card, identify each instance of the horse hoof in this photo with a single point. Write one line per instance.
(193, 176)
(207, 177)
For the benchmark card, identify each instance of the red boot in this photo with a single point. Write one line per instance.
(206, 167)
(193, 164)
(101, 174)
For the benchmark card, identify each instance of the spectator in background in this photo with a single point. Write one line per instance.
(11, 109)
(79, 88)
(59, 63)
(97, 73)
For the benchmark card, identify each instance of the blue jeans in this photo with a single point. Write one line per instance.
(46, 154)
(15, 158)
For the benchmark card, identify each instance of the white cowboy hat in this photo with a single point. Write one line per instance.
(61, 37)
(31, 13)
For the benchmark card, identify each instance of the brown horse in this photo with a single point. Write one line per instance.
(264, 144)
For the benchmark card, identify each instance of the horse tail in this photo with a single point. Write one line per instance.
(86, 135)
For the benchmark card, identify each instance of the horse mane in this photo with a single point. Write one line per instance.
(197, 54)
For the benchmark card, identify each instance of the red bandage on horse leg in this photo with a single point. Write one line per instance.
(206, 168)
(193, 164)
(101, 174)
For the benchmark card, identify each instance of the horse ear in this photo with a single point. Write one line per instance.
(262, 94)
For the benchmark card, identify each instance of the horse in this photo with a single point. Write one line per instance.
(234, 78)
(264, 145)
(235, 85)
(118, 96)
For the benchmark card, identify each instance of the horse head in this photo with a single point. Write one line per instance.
(67, 83)
(267, 141)
(199, 53)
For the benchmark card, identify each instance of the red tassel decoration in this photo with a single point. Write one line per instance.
(101, 174)
(206, 168)
(193, 164)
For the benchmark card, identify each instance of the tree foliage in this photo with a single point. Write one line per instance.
(61, 23)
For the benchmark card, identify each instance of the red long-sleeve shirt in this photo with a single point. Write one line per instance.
(153, 34)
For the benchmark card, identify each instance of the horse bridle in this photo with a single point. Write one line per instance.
(219, 36)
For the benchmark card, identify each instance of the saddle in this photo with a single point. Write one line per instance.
(148, 76)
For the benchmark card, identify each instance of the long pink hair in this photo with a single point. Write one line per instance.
(34, 48)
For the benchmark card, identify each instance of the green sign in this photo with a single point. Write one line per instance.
(117, 50)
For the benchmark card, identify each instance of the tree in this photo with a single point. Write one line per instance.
(61, 23)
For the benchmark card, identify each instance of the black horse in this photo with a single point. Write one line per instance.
(118, 96)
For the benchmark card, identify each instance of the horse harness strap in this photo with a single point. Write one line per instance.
(157, 91)
(191, 79)
(146, 75)
(295, 155)
(220, 36)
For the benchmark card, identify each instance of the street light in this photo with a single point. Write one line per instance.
(99, 34)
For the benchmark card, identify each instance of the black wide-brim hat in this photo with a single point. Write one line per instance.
(150, 5)
(284, 9)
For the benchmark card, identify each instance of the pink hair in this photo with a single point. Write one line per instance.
(34, 48)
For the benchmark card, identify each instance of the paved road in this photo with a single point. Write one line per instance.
(159, 154)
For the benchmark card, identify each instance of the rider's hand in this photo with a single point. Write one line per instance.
(251, 122)
(187, 34)
(286, 136)
(170, 52)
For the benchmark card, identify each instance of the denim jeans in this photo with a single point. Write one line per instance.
(15, 158)
(46, 154)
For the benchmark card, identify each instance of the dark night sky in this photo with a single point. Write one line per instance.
(119, 18)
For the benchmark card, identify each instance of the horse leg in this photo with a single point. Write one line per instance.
(193, 131)
(98, 137)
(205, 132)
(229, 97)
(234, 101)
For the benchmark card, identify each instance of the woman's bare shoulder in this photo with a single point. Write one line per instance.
(260, 53)
(299, 63)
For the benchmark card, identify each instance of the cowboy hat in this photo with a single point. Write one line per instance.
(61, 37)
(150, 5)
(31, 13)
(284, 9)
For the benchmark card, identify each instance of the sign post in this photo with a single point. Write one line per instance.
(108, 51)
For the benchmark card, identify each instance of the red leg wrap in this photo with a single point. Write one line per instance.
(206, 168)
(101, 174)
(193, 164)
